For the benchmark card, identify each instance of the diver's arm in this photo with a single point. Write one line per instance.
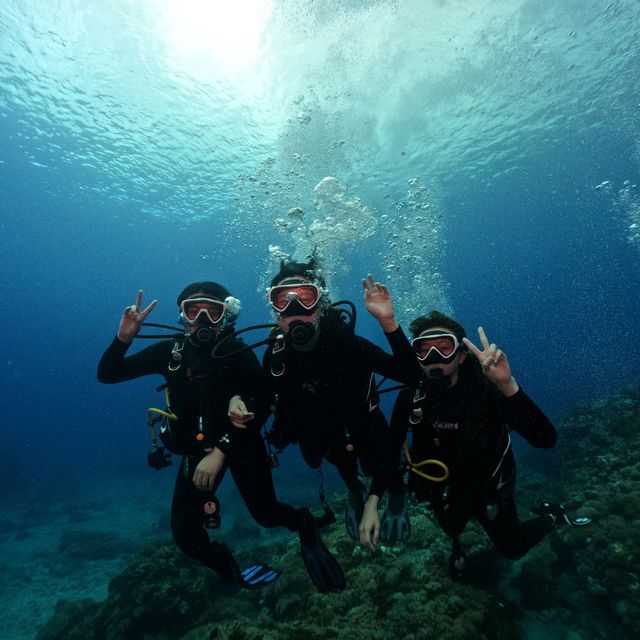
(383, 467)
(370, 523)
(404, 357)
(399, 423)
(207, 470)
(386, 443)
(382, 460)
(253, 386)
(115, 367)
(248, 404)
(401, 366)
(524, 416)
(390, 450)
(519, 411)
(379, 303)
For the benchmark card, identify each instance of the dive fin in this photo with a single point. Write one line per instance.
(395, 526)
(254, 576)
(257, 575)
(559, 514)
(323, 569)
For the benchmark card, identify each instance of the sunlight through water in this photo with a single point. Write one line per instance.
(186, 111)
(208, 39)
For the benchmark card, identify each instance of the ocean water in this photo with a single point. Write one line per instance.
(480, 157)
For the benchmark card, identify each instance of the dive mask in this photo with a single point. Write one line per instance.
(202, 311)
(436, 347)
(294, 298)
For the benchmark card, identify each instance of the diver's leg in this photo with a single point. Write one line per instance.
(251, 472)
(252, 475)
(347, 465)
(510, 536)
(187, 523)
(453, 520)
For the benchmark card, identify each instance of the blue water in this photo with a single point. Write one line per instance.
(135, 156)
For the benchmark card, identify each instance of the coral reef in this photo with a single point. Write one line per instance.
(405, 591)
(592, 570)
(400, 592)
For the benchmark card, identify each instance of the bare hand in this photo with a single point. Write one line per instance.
(238, 413)
(495, 365)
(132, 319)
(379, 303)
(208, 468)
(370, 524)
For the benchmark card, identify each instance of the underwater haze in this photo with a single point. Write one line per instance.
(481, 157)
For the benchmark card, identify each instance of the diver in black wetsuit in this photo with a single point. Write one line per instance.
(460, 459)
(210, 427)
(321, 375)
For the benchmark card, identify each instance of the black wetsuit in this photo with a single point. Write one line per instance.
(199, 392)
(467, 428)
(326, 401)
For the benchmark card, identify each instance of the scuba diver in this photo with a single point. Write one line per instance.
(321, 376)
(460, 460)
(203, 411)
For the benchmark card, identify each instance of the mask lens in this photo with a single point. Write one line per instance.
(444, 344)
(282, 296)
(195, 308)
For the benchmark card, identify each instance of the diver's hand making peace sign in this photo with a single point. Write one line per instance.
(495, 365)
(379, 303)
(132, 319)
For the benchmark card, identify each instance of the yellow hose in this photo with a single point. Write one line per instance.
(415, 467)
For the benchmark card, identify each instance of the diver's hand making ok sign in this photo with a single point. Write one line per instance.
(495, 365)
(379, 303)
(132, 319)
